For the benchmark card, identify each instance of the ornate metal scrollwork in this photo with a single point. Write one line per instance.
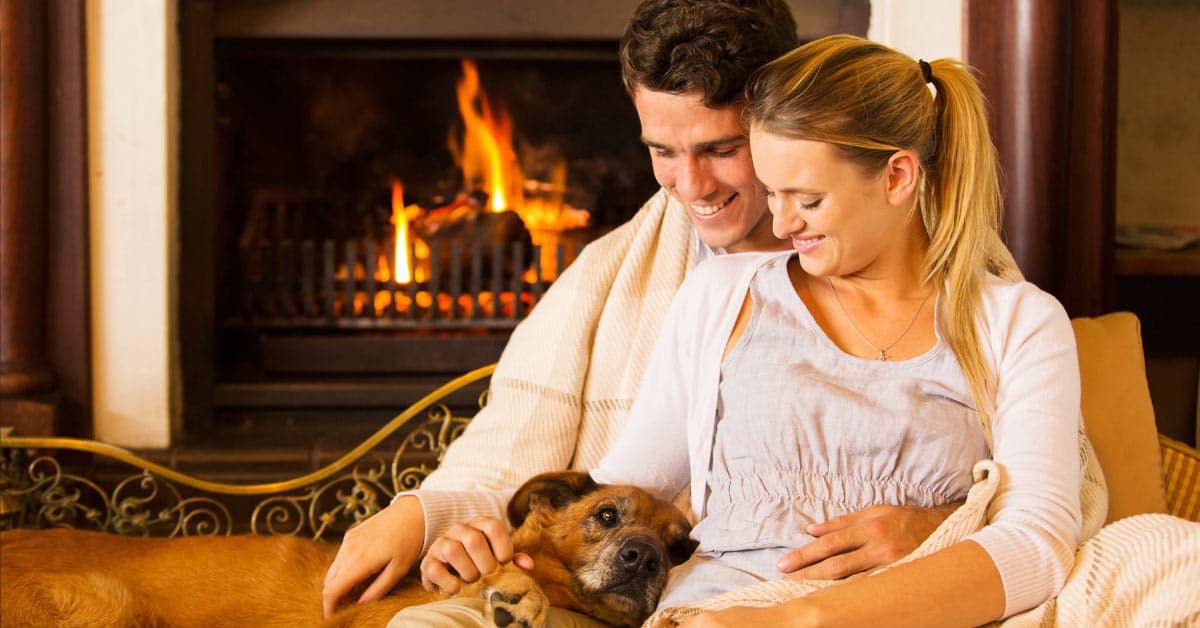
(157, 501)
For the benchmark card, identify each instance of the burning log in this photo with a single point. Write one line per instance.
(468, 222)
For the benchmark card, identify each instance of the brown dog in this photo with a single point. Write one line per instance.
(601, 550)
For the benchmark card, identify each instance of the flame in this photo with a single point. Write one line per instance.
(486, 154)
(403, 272)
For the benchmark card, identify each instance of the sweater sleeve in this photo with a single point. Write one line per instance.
(443, 509)
(1035, 520)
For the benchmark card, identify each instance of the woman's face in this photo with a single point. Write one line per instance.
(840, 218)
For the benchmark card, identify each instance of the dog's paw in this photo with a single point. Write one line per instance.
(513, 599)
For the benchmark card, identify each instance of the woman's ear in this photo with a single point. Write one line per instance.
(903, 176)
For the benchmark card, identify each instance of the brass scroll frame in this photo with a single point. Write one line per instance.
(36, 491)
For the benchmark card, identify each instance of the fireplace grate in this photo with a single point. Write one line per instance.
(332, 284)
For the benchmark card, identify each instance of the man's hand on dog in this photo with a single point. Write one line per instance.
(467, 552)
(374, 547)
(862, 541)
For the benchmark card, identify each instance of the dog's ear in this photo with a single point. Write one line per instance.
(681, 550)
(554, 489)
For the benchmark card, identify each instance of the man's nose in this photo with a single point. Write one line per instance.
(693, 181)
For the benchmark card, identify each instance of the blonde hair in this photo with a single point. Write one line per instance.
(870, 101)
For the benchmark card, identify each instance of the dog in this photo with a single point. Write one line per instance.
(600, 550)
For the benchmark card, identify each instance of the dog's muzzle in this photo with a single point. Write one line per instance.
(639, 558)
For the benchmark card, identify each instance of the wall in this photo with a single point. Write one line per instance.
(925, 29)
(1158, 113)
(131, 136)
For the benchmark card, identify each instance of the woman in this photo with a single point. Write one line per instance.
(876, 363)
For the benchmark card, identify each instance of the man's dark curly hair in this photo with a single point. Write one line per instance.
(706, 47)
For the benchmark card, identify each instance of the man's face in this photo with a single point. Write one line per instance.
(701, 155)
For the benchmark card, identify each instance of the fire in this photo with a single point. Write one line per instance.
(403, 272)
(486, 155)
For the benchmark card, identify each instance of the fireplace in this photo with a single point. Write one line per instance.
(383, 211)
(342, 246)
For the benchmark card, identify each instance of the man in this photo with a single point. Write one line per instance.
(571, 370)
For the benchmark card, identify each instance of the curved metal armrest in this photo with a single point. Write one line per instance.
(36, 491)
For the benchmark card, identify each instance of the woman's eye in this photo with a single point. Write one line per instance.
(813, 205)
(608, 517)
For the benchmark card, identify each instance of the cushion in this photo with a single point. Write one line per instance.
(1118, 413)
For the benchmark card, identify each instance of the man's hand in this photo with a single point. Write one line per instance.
(387, 544)
(467, 552)
(862, 541)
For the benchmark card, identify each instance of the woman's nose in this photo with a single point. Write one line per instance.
(784, 223)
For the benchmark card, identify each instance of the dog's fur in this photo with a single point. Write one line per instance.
(601, 550)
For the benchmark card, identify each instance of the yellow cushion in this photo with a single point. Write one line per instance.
(1118, 412)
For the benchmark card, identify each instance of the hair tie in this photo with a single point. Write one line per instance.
(926, 71)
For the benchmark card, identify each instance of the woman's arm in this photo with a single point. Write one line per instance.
(1035, 518)
(958, 586)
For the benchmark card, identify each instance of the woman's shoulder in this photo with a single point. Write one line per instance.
(1004, 295)
(1021, 307)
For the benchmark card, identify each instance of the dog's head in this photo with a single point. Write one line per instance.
(602, 550)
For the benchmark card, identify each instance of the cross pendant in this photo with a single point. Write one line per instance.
(883, 357)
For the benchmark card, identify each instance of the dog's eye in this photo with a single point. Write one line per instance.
(608, 517)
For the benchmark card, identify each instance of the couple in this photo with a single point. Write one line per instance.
(855, 341)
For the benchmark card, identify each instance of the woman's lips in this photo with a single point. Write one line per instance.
(807, 244)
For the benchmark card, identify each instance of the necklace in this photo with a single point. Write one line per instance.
(883, 355)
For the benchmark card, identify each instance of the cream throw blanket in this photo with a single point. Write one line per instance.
(1140, 571)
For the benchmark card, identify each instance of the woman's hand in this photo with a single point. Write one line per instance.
(862, 541)
(468, 551)
(387, 544)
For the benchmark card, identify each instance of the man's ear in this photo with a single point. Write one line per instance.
(556, 490)
(903, 176)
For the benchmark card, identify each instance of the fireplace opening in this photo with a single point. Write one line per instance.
(388, 211)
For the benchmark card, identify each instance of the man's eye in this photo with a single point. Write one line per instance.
(769, 193)
(608, 517)
(726, 153)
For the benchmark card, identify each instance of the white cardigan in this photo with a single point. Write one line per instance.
(1035, 521)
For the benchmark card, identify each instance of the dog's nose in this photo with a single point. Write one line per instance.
(640, 557)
